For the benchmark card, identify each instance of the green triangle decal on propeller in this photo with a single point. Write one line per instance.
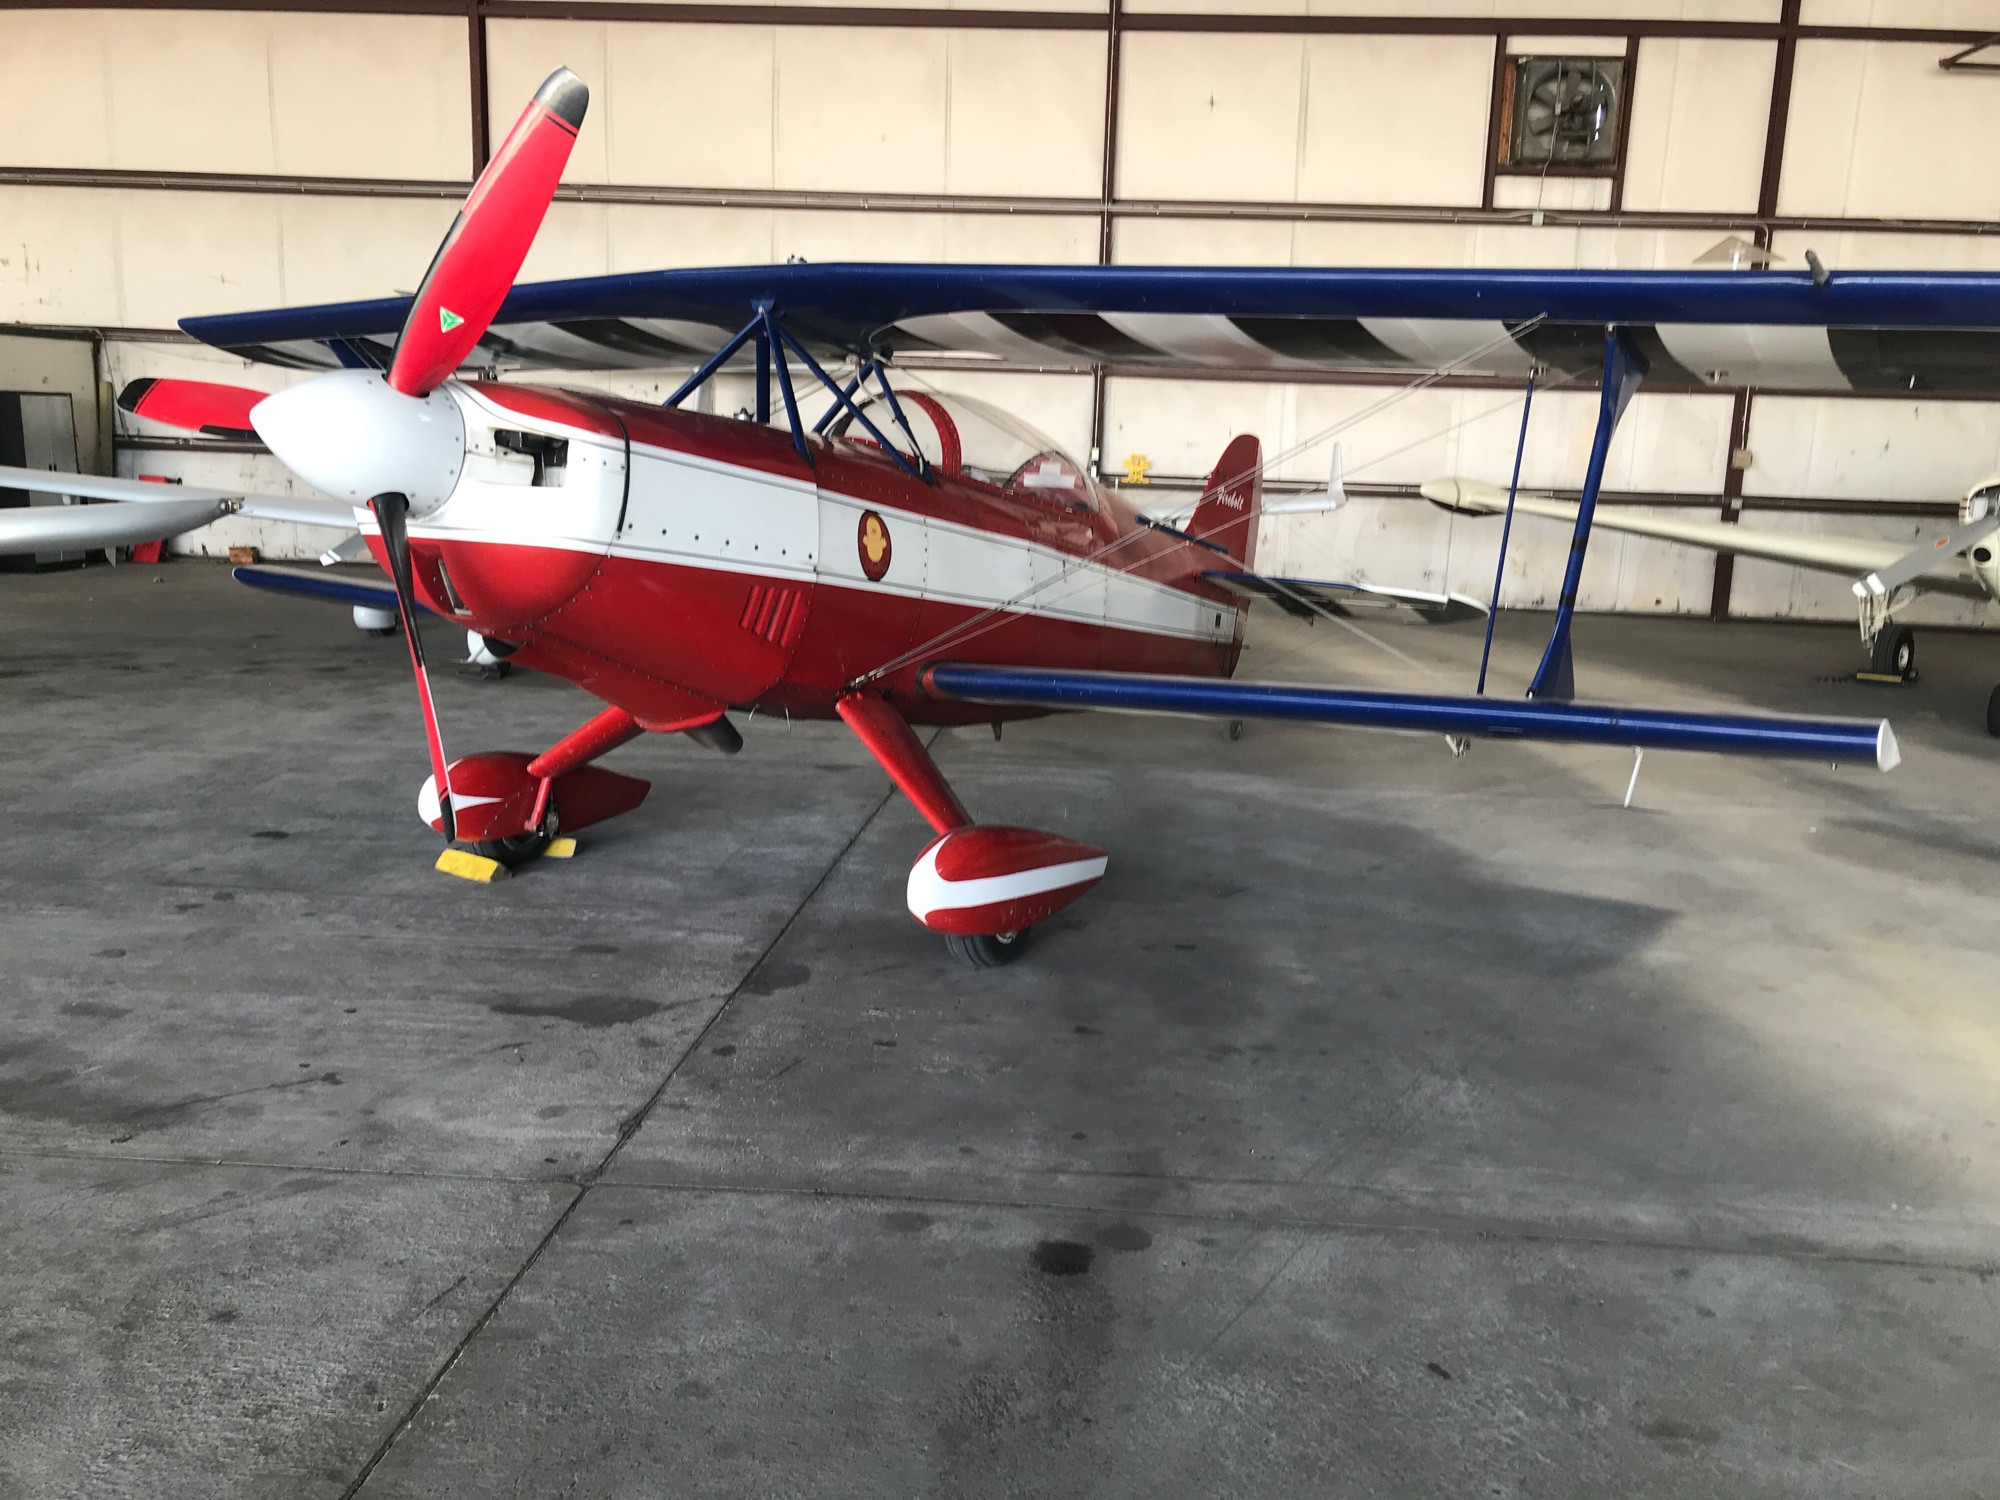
(447, 319)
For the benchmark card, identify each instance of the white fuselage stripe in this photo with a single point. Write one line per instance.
(695, 512)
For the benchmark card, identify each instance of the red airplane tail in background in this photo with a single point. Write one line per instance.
(1227, 514)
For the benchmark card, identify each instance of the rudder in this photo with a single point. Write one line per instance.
(1232, 500)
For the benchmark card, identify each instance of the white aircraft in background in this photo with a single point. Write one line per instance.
(1962, 560)
(125, 512)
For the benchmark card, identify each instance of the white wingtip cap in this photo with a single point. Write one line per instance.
(1887, 753)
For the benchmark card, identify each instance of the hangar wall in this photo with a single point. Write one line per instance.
(160, 161)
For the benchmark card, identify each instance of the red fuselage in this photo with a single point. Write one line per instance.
(678, 564)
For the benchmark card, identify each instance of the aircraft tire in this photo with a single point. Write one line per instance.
(1895, 651)
(522, 847)
(983, 952)
(1993, 714)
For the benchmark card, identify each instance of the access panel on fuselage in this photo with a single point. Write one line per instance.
(716, 568)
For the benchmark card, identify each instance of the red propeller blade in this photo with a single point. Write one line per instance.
(393, 512)
(481, 255)
(197, 405)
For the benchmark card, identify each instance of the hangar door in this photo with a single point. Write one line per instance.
(37, 431)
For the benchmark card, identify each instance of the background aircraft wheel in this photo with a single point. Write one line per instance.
(1895, 653)
(983, 952)
(522, 847)
(1993, 713)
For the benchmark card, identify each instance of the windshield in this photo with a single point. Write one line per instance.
(968, 439)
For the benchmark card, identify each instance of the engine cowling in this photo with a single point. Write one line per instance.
(349, 434)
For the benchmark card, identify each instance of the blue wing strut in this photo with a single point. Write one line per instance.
(1624, 368)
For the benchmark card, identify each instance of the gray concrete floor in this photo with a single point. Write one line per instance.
(1384, 1123)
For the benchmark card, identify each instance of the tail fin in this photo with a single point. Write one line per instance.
(1232, 501)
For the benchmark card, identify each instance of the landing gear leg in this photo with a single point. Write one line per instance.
(1993, 714)
(981, 887)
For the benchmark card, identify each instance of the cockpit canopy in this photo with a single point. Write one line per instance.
(967, 439)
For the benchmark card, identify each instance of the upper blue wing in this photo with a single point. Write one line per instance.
(1862, 330)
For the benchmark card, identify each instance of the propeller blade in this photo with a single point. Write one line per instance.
(392, 511)
(196, 405)
(482, 253)
(1919, 561)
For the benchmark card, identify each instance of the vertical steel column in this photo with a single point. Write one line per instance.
(1732, 506)
(1114, 47)
(1779, 120)
(475, 55)
(1506, 530)
(1624, 368)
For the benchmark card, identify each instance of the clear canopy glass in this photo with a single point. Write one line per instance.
(969, 439)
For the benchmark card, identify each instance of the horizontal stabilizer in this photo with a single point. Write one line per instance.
(369, 593)
(44, 528)
(1870, 741)
(1319, 502)
(1306, 597)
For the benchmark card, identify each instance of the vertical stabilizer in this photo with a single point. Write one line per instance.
(1232, 500)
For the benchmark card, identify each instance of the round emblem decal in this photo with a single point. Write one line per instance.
(872, 541)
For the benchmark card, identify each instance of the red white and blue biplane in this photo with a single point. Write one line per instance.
(914, 560)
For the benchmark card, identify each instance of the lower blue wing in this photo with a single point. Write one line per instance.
(1870, 741)
(368, 593)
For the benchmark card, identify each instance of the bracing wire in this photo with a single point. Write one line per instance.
(996, 615)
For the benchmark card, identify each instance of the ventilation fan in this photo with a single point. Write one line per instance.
(1565, 111)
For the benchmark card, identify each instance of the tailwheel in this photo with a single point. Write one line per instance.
(1993, 713)
(521, 848)
(988, 950)
(1895, 652)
